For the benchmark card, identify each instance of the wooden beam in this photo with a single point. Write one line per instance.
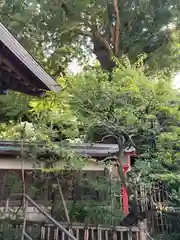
(8, 69)
(13, 68)
(23, 89)
(4, 75)
(9, 82)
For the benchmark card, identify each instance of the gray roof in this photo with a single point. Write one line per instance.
(86, 149)
(25, 58)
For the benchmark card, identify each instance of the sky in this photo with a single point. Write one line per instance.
(177, 81)
(74, 67)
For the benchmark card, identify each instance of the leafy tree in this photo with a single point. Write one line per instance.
(138, 111)
(55, 32)
(133, 109)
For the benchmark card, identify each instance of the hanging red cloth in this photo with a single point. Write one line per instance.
(124, 194)
(126, 168)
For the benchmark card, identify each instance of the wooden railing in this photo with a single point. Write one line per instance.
(90, 232)
(64, 231)
(80, 231)
(27, 200)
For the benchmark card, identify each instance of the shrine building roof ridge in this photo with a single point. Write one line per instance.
(12, 49)
(99, 150)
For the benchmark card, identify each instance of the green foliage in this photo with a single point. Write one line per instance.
(172, 236)
(14, 107)
(145, 109)
(130, 102)
(55, 36)
(98, 203)
(9, 233)
(13, 230)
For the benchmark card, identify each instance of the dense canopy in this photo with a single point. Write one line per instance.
(126, 99)
(56, 32)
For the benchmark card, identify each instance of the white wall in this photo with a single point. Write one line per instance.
(16, 163)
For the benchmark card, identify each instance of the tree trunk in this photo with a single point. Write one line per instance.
(103, 51)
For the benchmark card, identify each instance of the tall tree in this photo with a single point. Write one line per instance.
(55, 31)
(136, 110)
(133, 109)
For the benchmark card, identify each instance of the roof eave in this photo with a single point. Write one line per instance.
(10, 42)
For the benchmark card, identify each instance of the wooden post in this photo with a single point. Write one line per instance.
(86, 234)
(99, 234)
(86, 231)
(142, 231)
